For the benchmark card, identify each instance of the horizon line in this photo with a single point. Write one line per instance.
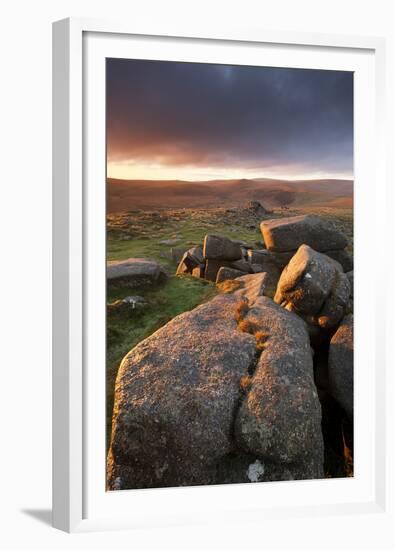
(290, 180)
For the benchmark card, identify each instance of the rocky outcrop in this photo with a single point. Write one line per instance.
(229, 392)
(341, 365)
(181, 417)
(314, 286)
(220, 258)
(280, 418)
(126, 305)
(256, 208)
(285, 234)
(134, 272)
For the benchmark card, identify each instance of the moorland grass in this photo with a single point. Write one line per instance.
(128, 327)
(190, 234)
(177, 294)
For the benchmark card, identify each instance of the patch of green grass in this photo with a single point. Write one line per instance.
(127, 328)
(137, 248)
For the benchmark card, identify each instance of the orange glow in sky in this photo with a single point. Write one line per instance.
(140, 171)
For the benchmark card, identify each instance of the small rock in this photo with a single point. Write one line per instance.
(218, 247)
(134, 272)
(134, 301)
(255, 471)
(170, 242)
(256, 208)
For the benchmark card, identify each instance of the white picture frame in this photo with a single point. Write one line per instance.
(80, 502)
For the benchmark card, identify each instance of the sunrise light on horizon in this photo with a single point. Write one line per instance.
(199, 122)
(130, 171)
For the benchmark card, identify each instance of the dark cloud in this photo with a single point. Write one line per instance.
(220, 115)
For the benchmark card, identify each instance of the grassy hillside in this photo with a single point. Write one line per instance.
(123, 195)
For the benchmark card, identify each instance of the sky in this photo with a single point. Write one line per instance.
(191, 121)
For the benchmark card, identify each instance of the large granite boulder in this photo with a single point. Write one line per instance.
(175, 398)
(218, 247)
(314, 286)
(280, 418)
(341, 365)
(284, 234)
(183, 414)
(134, 272)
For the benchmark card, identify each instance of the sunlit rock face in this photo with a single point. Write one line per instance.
(285, 234)
(314, 286)
(181, 416)
(175, 399)
(280, 418)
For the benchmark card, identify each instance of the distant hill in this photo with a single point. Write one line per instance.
(153, 194)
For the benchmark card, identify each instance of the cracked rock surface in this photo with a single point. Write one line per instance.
(280, 418)
(175, 399)
(181, 418)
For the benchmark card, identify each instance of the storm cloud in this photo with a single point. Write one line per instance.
(175, 114)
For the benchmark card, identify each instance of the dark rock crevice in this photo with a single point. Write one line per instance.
(337, 429)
